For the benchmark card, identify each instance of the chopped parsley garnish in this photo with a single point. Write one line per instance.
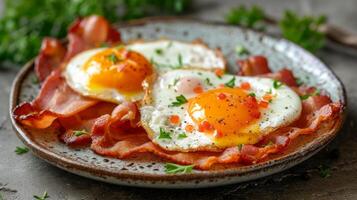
(113, 58)
(240, 146)
(164, 134)
(159, 51)
(299, 82)
(179, 101)
(182, 135)
(179, 59)
(35, 80)
(171, 168)
(270, 143)
(104, 44)
(120, 46)
(169, 45)
(324, 171)
(277, 84)
(21, 150)
(270, 91)
(208, 82)
(304, 97)
(176, 81)
(252, 94)
(241, 50)
(80, 132)
(43, 197)
(231, 83)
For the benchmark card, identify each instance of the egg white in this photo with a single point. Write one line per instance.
(166, 55)
(283, 110)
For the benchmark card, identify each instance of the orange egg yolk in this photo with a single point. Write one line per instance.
(119, 69)
(228, 115)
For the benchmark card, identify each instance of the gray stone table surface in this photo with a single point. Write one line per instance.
(23, 176)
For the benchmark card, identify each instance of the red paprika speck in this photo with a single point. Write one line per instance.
(205, 126)
(245, 86)
(263, 104)
(222, 96)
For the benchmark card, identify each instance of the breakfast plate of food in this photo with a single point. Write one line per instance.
(174, 103)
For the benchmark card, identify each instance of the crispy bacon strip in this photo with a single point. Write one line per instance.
(86, 33)
(125, 141)
(56, 99)
(50, 57)
(255, 65)
(90, 32)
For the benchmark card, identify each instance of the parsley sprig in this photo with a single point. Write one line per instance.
(171, 168)
(247, 17)
(303, 30)
(180, 100)
(23, 24)
(43, 197)
(324, 171)
(113, 58)
(21, 150)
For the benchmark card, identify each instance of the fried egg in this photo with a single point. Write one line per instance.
(116, 74)
(109, 74)
(194, 110)
(166, 55)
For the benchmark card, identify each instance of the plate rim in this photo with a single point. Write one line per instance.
(70, 164)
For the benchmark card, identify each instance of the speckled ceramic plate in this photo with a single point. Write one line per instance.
(280, 53)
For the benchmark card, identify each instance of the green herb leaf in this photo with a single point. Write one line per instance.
(24, 24)
(304, 97)
(303, 30)
(169, 45)
(299, 82)
(21, 150)
(252, 94)
(242, 50)
(176, 81)
(171, 168)
(43, 197)
(231, 83)
(240, 146)
(80, 132)
(277, 84)
(113, 58)
(164, 134)
(159, 51)
(324, 171)
(208, 82)
(182, 135)
(251, 18)
(179, 101)
(35, 80)
(180, 63)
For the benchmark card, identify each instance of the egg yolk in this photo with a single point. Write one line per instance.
(228, 115)
(119, 69)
